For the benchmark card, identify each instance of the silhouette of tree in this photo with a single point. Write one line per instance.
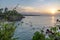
(1, 10)
(58, 10)
(10, 14)
(6, 9)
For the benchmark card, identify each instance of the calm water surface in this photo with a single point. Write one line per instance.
(30, 24)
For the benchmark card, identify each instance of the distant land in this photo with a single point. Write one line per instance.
(39, 14)
(31, 15)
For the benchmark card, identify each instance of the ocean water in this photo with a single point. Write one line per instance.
(30, 24)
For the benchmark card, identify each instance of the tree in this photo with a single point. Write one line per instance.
(6, 9)
(10, 15)
(1, 10)
(58, 10)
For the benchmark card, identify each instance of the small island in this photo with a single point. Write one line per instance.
(10, 15)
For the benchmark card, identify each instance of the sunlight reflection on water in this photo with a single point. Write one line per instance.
(53, 20)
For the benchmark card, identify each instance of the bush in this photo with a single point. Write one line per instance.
(7, 31)
(53, 34)
(38, 36)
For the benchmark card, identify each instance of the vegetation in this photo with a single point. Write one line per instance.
(7, 31)
(50, 34)
(10, 15)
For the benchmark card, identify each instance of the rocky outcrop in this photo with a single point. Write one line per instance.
(12, 15)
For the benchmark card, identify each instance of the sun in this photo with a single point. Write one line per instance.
(53, 11)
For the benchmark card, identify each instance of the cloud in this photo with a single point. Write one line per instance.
(42, 9)
(28, 9)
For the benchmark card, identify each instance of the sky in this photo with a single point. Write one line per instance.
(40, 6)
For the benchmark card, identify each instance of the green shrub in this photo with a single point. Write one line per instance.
(54, 35)
(38, 36)
(7, 31)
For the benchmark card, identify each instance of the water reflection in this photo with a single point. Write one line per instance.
(53, 20)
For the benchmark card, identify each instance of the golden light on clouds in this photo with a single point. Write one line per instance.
(30, 9)
(47, 10)
(53, 11)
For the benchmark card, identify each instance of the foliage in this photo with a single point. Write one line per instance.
(53, 34)
(7, 31)
(9, 14)
(38, 36)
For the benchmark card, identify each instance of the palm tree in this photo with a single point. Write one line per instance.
(1, 10)
(6, 9)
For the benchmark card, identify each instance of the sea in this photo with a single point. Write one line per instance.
(30, 24)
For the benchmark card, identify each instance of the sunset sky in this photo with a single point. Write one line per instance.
(40, 6)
